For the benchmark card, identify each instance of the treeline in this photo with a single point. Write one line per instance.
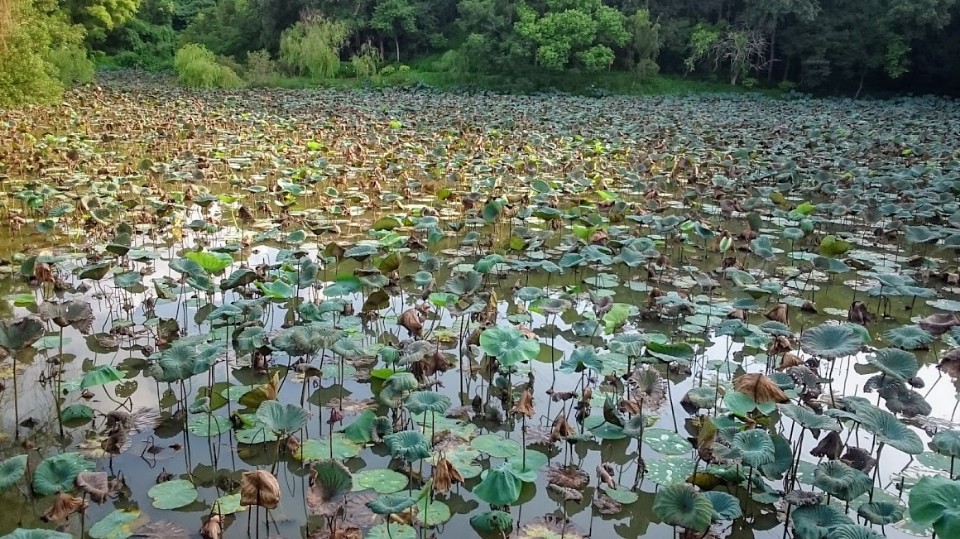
(830, 46)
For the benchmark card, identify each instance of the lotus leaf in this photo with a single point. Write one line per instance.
(118, 524)
(881, 513)
(508, 345)
(725, 506)
(830, 341)
(837, 479)
(12, 470)
(408, 444)
(57, 473)
(499, 486)
(492, 521)
(173, 494)
(382, 480)
(936, 501)
(681, 505)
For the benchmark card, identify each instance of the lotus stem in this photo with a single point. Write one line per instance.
(876, 471)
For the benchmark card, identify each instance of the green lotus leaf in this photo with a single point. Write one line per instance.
(173, 494)
(839, 480)
(499, 486)
(755, 446)
(665, 441)
(420, 402)
(239, 278)
(431, 513)
(946, 442)
(98, 376)
(817, 521)
(581, 359)
(623, 496)
(409, 445)
(282, 419)
(185, 358)
(15, 335)
(629, 344)
(343, 285)
(910, 337)
(118, 524)
(492, 521)
(12, 470)
(936, 501)
(21, 533)
(725, 506)
(833, 246)
(899, 364)
(881, 513)
(830, 341)
(496, 446)
(391, 531)
(333, 480)
(508, 345)
(681, 505)
(603, 429)
(127, 279)
(388, 504)
(306, 340)
(361, 430)
(671, 352)
(527, 465)
(782, 458)
(228, 504)
(57, 473)
(890, 430)
(211, 263)
(854, 531)
(208, 425)
(809, 419)
(381, 480)
(464, 283)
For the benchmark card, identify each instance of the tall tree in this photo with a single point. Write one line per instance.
(572, 32)
(395, 18)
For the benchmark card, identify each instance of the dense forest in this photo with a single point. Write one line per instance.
(843, 47)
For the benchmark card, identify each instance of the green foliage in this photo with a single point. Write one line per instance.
(366, 61)
(99, 17)
(395, 18)
(573, 33)
(30, 72)
(312, 47)
(72, 64)
(644, 45)
(197, 67)
(228, 28)
(261, 70)
(702, 40)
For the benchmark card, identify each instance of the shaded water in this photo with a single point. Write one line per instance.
(213, 463)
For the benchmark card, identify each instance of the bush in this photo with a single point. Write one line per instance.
(312, 46)
(72, 65)
(366, 61)
(261, 70)
(197, 67)
(403, 69)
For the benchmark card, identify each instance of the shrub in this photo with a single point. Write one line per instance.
(261, 70)
(197, 67)
(366, 61)
(403, 69)
(312, 46)
(72, 65)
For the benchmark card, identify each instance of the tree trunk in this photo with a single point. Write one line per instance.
(733, 78)
(863, 74)
(382, 55)
(396, 41)
(773, 42)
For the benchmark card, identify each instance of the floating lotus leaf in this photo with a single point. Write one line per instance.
(881, 513)
(320, 448)
(496, 446)
(391, 531)
(173, 494)
(118, 524)
(665, 441)
(12, 470)
(388, 504)
(508, 345)
(839, 480)
(830, 341)
(431, 513)
(21, 533)
(382, 480)
(408, 444)
(681, 505)
(936, 501)
(499, 486)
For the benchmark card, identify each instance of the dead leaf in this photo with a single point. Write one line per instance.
(567, 476)
(831, 446)
(561, 428)
(568, 494)
(95, 484)
(858, 313)
(779, 313)
(525, 404)
(63, 506)
(212, 528)
(789, 360)
(779, 345)
(605, 474)
(261, 488)
(760, 388)
(412, 321)
(445, 475)
(606, 505)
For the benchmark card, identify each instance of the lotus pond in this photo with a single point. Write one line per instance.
(405, 314)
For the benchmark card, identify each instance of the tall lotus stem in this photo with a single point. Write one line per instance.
(876, 471)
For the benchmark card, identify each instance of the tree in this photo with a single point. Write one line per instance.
(395, 18)
(644, 45)
(745, 50)
(312, 46)
(39, 52)
(572, 32)
(99, 17)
